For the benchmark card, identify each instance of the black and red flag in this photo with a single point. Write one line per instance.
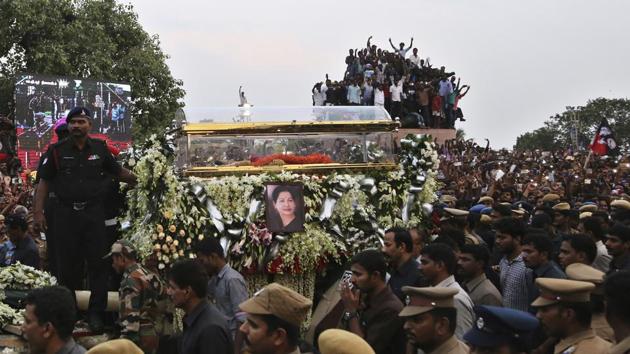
(604, 142)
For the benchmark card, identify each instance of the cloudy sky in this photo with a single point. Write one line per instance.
(524, 60)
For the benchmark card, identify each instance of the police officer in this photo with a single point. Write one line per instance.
(564, 310)
(583, 272)
(338, 341)
(76, 167)
(430, 320)
(274, 317)
(140, 295)
(500, 330)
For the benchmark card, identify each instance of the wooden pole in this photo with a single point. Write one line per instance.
(590, 152)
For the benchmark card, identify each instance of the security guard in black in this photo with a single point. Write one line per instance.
(77, 168)
(78, 176)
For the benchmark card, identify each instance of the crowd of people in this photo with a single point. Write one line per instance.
(407, 85)
(525, 252)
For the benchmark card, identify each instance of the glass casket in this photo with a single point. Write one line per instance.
(247, 140)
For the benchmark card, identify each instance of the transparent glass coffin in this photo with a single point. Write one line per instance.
(284, 114)
(296, 139)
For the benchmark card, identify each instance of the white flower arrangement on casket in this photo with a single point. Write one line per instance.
(22, 277)
(344, 212)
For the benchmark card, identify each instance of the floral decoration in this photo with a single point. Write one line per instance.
(345, 213)
(10, 316)
(22, 277)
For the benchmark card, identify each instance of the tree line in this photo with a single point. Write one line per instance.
(102, 40)
(576, 126)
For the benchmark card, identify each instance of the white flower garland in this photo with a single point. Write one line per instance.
(166, 218)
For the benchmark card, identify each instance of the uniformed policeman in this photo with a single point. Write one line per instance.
(338, 341)
(430, 320)
(274, 317)
(500, 330)
(583, 272)
(564, 311)
(140, 295)
(76, 167)
(115, 346)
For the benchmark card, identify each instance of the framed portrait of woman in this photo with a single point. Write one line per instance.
(284, 205)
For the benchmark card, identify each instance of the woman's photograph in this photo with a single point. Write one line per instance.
(285, 208)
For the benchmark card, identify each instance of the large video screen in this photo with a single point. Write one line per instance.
(42, 102)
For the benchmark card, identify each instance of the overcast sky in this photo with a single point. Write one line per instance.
(524, 60)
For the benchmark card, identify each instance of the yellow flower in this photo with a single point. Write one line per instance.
(160, 228)
(168, 214)
(172, 228)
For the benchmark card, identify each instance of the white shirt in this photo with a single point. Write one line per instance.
(396, 91)
(320, 97)
(415, 60)
(602, 260)
(379, 97)
(463, 304)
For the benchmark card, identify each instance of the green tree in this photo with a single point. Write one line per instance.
(542, 138)
(584, 120)
(97, 39)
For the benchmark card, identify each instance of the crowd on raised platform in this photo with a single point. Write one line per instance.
(406, 84)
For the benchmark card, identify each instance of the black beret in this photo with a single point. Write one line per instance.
(78, 111)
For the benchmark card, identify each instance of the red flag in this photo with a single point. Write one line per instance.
(604, 142)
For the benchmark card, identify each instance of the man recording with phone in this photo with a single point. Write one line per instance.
(370, 307)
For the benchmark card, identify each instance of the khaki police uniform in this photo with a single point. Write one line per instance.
(583, 272)
(556, 291)
(116, 346)
(338, 341)
(422, 300)
(282, 302)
